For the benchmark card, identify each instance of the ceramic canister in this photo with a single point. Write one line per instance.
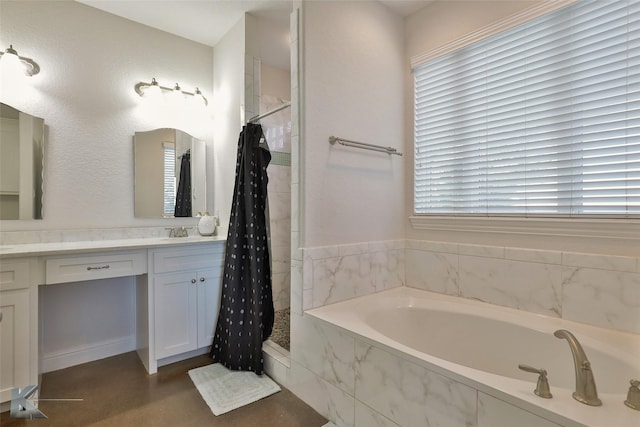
(207, 224)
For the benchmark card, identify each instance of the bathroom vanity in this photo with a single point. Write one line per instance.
(177, 292)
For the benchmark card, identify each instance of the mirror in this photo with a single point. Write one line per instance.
(169, 174)
(21, 164)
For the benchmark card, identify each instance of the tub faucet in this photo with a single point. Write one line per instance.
(585, 383)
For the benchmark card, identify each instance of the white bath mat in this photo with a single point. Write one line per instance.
(329, 424)
(226, 390)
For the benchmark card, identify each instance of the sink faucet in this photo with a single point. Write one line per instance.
(178, 232)
(585, 383)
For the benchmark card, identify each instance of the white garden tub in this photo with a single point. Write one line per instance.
(481, 345)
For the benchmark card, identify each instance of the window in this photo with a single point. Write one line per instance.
(169, 187)
(540, 120)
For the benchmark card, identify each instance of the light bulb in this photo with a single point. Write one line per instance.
(11, 63)
(177, 97)
(200, 97)
(153, 91)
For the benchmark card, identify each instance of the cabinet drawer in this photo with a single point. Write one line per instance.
(98, 266)
(192, 258)
(14, 275)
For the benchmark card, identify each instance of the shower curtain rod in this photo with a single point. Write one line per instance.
(362, 145)
(268, 113)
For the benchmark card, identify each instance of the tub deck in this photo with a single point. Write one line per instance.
(372, 319)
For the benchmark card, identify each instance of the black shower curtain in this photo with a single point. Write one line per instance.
(246, 307)
(183, 195)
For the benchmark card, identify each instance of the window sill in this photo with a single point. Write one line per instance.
(627, 229)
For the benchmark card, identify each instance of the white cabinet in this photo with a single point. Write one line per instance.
(75, 268)
(176, 295)
(186, 292)
(18, 351)
(209, 291)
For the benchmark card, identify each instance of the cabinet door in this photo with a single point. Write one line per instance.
(209, 291)
(14, 341)
(175, 313)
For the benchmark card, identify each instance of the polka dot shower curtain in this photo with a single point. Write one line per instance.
(183, 195)
(246, 307)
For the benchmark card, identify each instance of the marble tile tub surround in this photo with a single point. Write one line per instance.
(366, 267)
(601, 290)
(598, 289)
(357, 382)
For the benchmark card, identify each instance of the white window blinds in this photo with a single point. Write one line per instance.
(542, 119)
(169, 182)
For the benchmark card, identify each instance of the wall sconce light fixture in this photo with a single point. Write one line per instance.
(23, 65)
(146, 89)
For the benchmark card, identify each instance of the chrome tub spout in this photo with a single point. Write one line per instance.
(585, 383)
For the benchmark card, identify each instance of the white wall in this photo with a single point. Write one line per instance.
(84, 321)
(444, 21)
(353, 84)
(90, 60)
(228, 86)
(270, 39)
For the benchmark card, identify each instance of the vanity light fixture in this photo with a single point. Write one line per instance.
(144, 89)
(23, 65)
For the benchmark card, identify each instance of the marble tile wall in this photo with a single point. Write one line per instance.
(279, 192)
(355, 383)
(337, 273)
(601, 290)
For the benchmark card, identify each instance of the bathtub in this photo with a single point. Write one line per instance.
(480, 345)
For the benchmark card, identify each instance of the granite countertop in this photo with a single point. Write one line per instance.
(62, 248)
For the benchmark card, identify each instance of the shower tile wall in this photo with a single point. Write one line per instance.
(277, 130)
(279, 191)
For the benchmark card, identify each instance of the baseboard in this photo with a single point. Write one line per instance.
(84, 354)
(183, 356)
(277, 362)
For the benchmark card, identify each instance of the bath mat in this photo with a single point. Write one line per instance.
(329, 424)
(226, 390)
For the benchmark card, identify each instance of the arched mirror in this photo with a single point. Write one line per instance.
(170, 174)
(21, 164)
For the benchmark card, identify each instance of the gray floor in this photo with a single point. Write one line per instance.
(117, 391)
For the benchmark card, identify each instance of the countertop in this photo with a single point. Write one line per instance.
(65, 248)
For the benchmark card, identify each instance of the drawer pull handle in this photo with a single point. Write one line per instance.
(202, 279)
(102, 267)
(193, 280)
